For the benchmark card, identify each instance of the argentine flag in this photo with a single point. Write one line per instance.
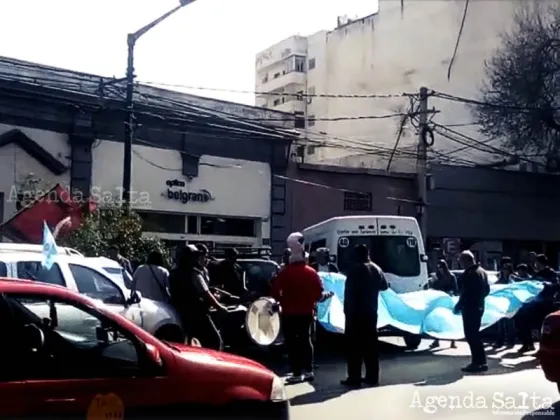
(49, 248)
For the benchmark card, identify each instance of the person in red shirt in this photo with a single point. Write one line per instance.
(298, 288)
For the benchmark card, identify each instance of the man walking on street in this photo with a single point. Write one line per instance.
(364, 282)
(474, 289)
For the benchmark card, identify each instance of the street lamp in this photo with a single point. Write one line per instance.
(129, 123)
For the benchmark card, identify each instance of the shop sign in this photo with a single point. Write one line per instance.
(201, 196)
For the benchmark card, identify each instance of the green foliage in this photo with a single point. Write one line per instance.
(113, 226)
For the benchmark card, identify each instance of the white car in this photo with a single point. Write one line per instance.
(90, 277)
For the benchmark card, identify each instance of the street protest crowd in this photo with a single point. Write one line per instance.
(200, 284)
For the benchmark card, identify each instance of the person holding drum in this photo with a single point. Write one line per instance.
(192, 298)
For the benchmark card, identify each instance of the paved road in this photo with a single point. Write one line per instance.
(424, 384)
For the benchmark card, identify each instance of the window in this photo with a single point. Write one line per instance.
(398, 255)
(192, 225)
(227, 226)
(321, 243)
(96, 286)
(357, 201)
(299, 95)
(276, 102)
(264, 79)
(311, 121)
(3, 270)
(299, 121)
(162, 222)
(300, 64)
(311, 150)
(33, 270)
(79, 343)
(311, 63)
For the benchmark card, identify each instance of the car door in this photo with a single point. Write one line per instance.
(95, 285)
(81, 372)
(12, 385)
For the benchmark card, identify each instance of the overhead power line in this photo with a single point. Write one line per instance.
(281, 94)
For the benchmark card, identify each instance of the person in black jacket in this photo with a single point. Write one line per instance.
(192, 299)
(444, 281)
(474, 289)
(532, 314)
(361, 292)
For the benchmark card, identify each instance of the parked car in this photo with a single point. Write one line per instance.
(89, 277)
(549, 349)
(67, 356)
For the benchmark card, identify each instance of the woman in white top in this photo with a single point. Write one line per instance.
(151, 279)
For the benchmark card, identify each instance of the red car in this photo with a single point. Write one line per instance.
(549, 349)
(64, 355)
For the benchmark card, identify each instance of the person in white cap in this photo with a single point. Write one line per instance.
(474, 289)
(298, 288)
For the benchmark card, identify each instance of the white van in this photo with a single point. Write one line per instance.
(395, 244)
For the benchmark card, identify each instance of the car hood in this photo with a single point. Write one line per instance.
(199, 354)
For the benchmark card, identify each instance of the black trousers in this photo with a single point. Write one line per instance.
(531, 316)
(202, 327)
(361, 336)
(472, 320)
(297, 338)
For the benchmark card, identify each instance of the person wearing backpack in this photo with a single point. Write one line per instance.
(152, 279)
(474, 289)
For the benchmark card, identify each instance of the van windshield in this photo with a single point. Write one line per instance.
(397, 255)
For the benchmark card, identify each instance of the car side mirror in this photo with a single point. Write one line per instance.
(153, 354)
(424, 258)
(33, 337)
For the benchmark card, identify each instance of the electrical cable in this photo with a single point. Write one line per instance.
(469, 101)
(281, 94)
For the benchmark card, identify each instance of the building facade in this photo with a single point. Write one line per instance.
(494, 213)
(390, 52)
(205, 173)
(319, 192)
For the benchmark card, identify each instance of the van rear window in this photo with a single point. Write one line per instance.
(3, 270)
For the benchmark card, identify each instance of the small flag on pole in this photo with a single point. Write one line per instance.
(49, 248)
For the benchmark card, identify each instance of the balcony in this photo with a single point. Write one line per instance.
(290, 106)
(292, 78)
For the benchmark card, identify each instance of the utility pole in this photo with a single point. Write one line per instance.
(129, 123)
(421, 163)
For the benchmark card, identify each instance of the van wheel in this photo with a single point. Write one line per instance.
(412, 341)
(171, 333)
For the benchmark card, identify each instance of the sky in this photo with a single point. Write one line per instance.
(210, 43)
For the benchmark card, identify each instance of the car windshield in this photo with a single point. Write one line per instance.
(396, 255)
(258, 275)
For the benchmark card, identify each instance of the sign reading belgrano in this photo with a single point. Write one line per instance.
(184, 196)
(499, 403)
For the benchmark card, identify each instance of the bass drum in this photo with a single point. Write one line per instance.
(262, 322)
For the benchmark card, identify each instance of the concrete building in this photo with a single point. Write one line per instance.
(322, 192)
(390, 52)
(192, 180)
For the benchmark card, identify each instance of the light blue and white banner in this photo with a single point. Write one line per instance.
(428, 312)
